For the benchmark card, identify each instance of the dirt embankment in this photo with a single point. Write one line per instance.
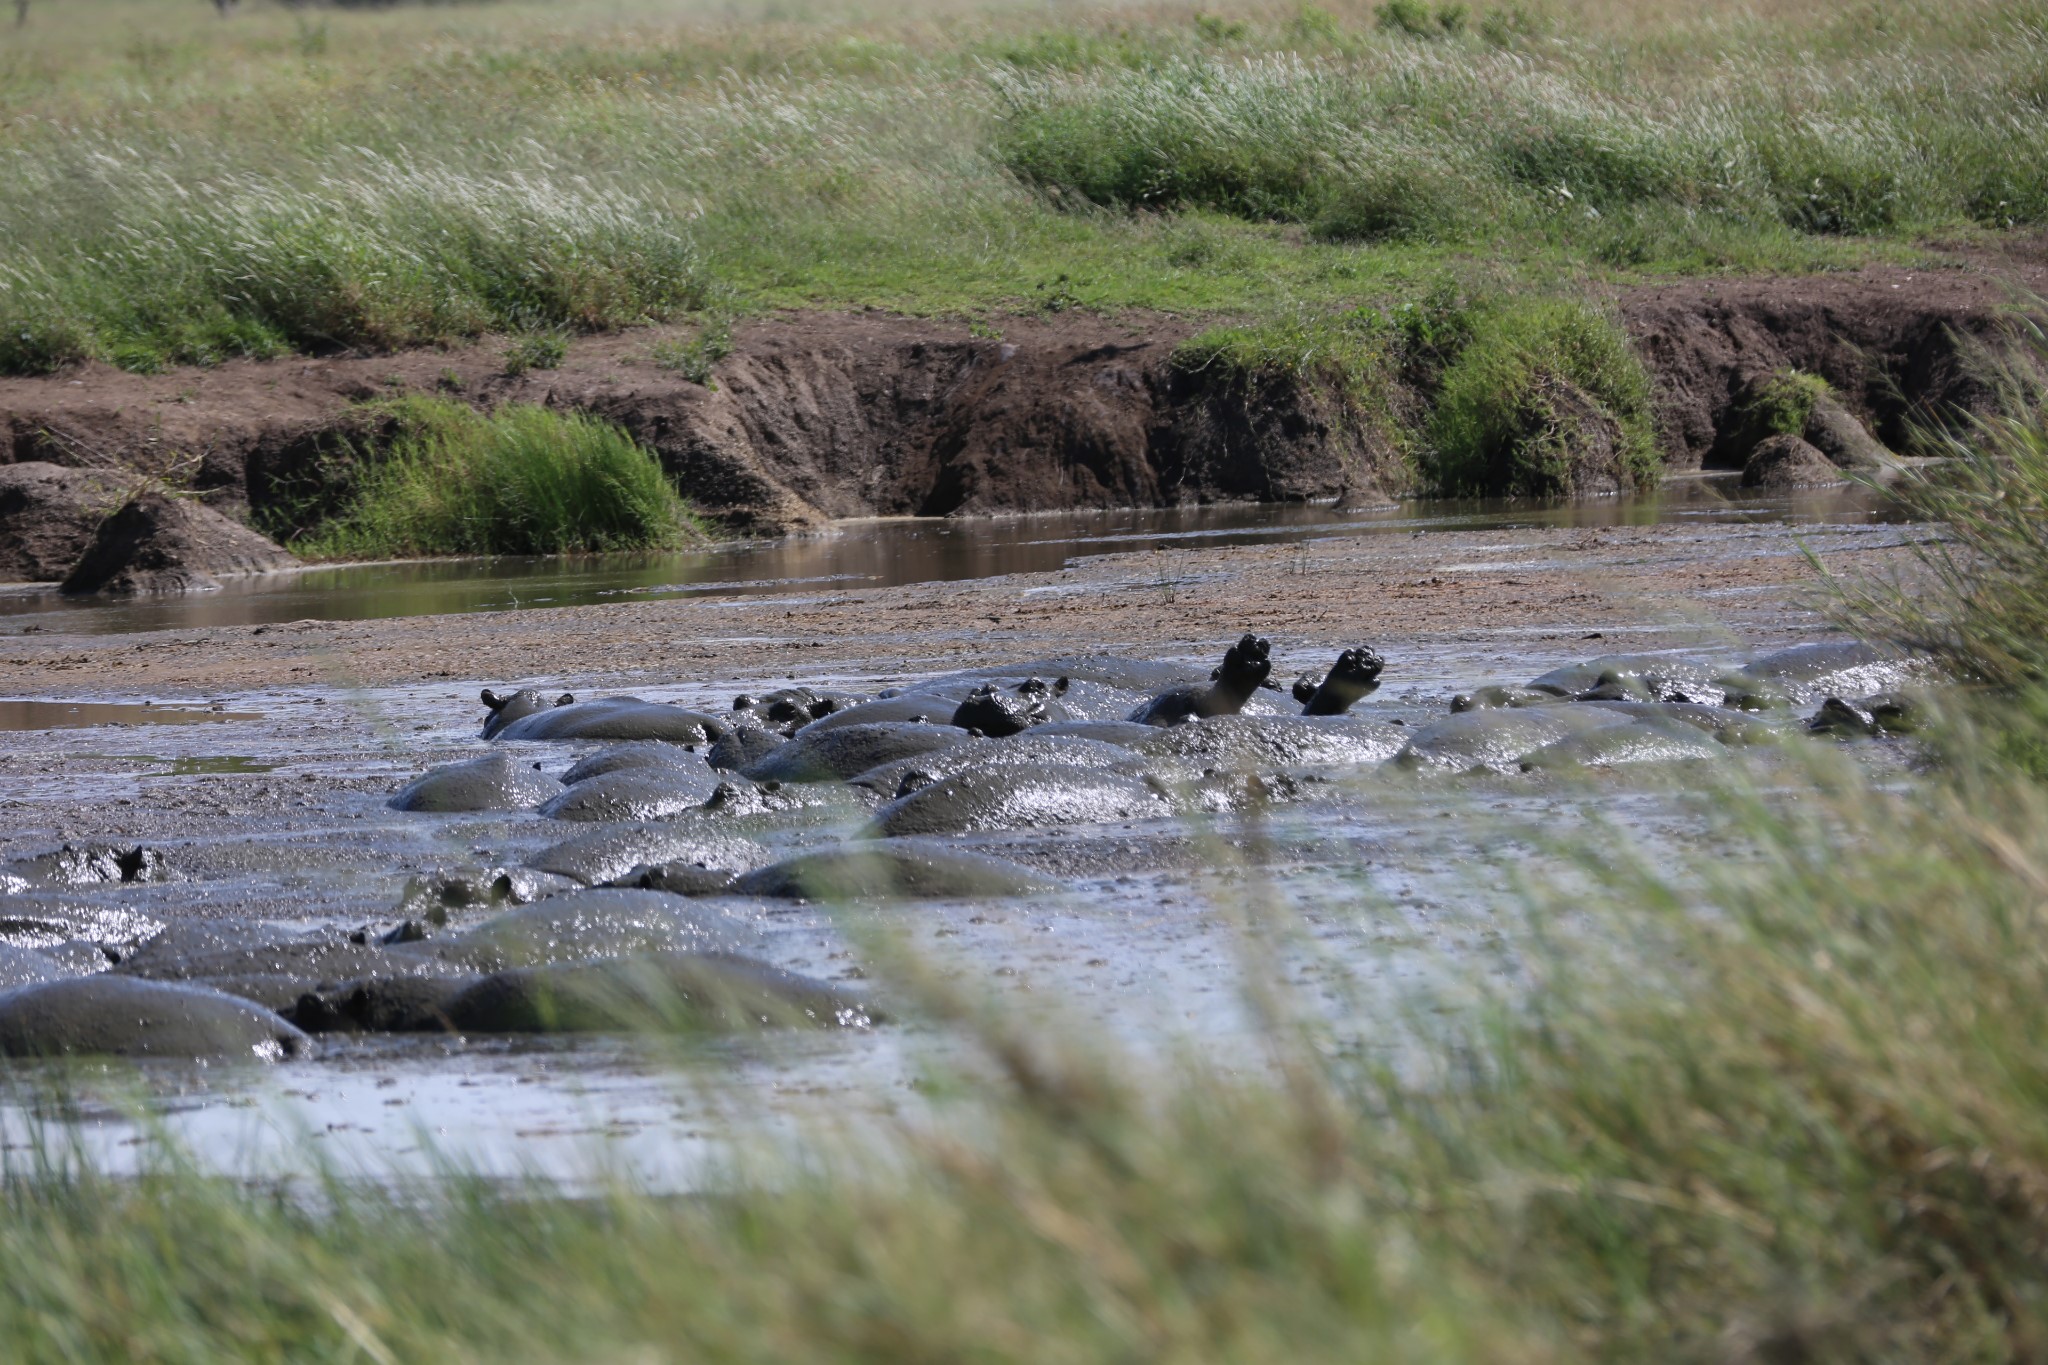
(816, 416)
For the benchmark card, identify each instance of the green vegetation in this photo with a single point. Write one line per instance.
(1783, 404)
(1546, 399)
(1978, 599)
(183, 187)
(521, 480)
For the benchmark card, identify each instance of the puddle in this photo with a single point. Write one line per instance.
(891, 554)
(74, 715)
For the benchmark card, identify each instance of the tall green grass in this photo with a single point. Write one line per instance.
(1547, 398)
(1390, 142)
(377, 177)
(521, 480)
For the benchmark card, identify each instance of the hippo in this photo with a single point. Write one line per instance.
(26, 966)
(907, 774)
(412, 1003)
(1354, 677)
(635, 794)
(1885, 713)
(580, 927)
(1000, 712)
(45, 924)
(615, 718)
(1023, 797)
(1724, 724)
(893, 869)
(127, 1017)
(430, 896)
(667, 992)
(1283, 741)
(679, 877)
(257, 951)
(789, 709)
(254, 962)
(606, 854)
(1495, 696)
(1656, 677)
(1246, 665)
(1644, 740)
(838, 752)
(638, 753)
(742, 746)
(1496, 740)
(91, 865)
(898, 708)
(518, 706)
(494, 782)
(784, 805)
(1124, 732)
(1805, 673)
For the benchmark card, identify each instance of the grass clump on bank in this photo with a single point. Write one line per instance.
(1547, 398)
(521, 480)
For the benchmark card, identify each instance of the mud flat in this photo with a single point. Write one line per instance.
(277, 815)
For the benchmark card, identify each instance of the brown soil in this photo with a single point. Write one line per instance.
(1498, 594)
(821, 416)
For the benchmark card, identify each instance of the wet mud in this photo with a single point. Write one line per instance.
(1093, 873)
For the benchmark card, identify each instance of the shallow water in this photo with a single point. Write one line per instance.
(892, 553)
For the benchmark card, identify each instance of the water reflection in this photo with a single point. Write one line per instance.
(71, 715)
(890, 553)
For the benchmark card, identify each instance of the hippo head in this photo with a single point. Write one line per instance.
(1355, 675)
(1248, 663)
(997, 714)
(517, 705)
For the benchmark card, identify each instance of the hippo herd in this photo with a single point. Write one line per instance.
(677, 826)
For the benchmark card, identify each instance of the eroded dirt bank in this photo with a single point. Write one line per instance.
(814, 417)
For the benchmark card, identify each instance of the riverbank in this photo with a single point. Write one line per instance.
(1521, 589)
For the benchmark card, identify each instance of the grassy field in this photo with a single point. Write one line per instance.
(185, 187)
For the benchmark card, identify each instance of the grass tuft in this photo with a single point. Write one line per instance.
(541, 351)
(694, 359)
(521, 480)
(1546, 398)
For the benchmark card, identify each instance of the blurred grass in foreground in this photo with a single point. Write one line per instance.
(1787, 1100)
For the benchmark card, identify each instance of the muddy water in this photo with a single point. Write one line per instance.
(278, 816)
(889, 554)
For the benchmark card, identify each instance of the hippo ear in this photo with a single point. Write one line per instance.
(567, 698)
(1304, 688)
(493, 700)
(1061, 684)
